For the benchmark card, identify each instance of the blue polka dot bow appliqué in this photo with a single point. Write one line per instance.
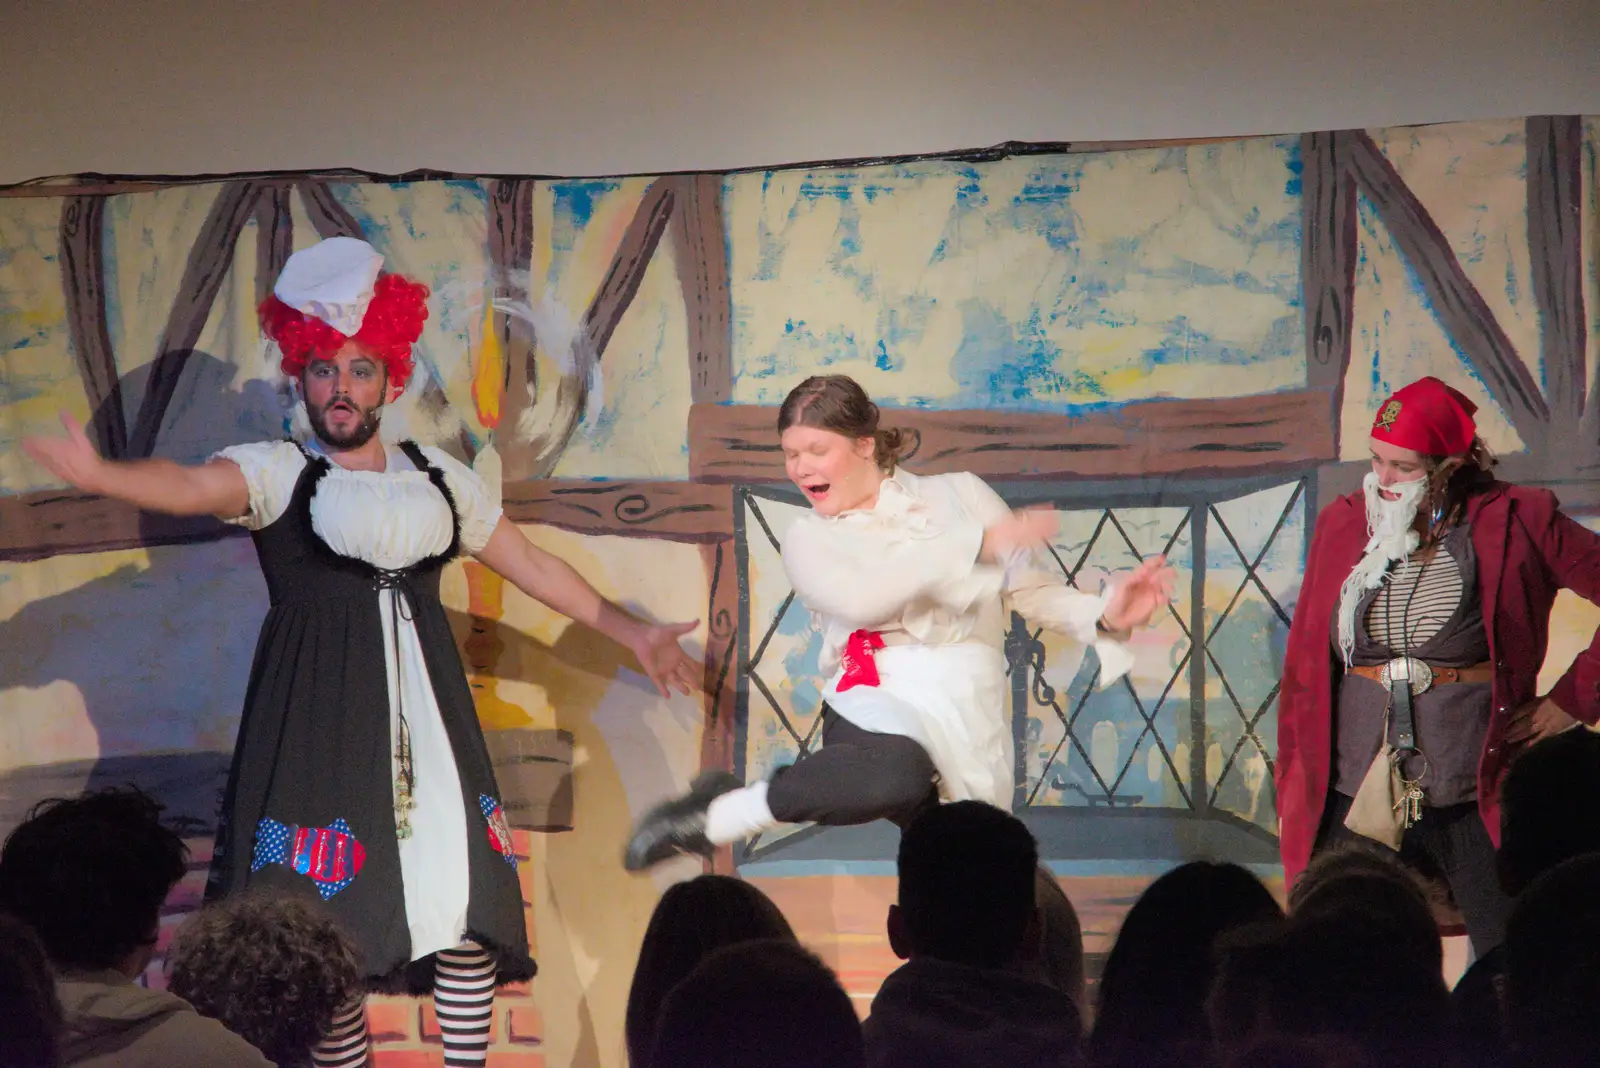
(499, 829)
(330, 857)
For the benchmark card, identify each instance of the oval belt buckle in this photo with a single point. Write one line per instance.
(1418, 674)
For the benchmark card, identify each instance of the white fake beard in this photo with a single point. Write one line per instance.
(1390, 537)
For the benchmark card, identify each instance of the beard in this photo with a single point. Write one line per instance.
(1391, 536)
(364, 430)
(1390, 522)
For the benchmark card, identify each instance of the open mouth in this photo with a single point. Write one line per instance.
(818, 491)
(338, 407)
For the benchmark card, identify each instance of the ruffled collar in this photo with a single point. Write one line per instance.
(899, 503)
(395, 461)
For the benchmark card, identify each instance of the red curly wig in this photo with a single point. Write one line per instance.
(391, 326)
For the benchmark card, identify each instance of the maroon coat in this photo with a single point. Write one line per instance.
(1527, 550)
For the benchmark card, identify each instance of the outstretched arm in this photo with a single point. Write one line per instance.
(217, 488)
(553, 582)
(1044, 594)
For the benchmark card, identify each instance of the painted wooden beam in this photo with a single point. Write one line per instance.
(700, 240)
(1328, 249)
(83, 284)
(1555, 246)
(274, 237)
(633, 257)
(675, 511)
(538, 457)
(510, 258)
(720, 682)
(1461, 309)
(210, 258)
(1194, 438)
(55, 522)
(330, 217)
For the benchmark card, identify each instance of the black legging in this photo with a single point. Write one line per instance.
(1453, 842)
(856, 777)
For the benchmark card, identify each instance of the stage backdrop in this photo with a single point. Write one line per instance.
(1179, 346)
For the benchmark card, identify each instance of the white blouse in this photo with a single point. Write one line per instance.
(909, 566)
(392, 519)
(908, 569)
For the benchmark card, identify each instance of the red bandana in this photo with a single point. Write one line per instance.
(860, 668)
(1427, 417)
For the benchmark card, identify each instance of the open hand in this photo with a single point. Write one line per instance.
(664, 659)
(1141, 595)
(72, 459)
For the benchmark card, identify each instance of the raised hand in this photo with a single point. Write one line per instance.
(1143, 593)
(664, 659)
(72, 459)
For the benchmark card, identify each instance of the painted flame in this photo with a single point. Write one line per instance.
(489, 381)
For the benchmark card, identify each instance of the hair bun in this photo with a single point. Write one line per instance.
(892, 444)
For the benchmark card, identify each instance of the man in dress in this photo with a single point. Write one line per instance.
(360, 774)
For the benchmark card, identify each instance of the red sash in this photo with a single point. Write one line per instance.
(860, 668)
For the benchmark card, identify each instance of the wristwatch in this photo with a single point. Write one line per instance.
(1101, 627)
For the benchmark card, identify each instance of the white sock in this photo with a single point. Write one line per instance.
(739, 814)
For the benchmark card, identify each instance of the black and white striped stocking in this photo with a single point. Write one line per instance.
(463, 999)
(346, 1044)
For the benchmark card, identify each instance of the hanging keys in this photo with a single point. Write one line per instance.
(1410, 803)
(405, 780)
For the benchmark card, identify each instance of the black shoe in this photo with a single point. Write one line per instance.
(677, 827)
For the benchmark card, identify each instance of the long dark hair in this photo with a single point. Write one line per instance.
(838, 403)
(1153, 987)
(691, 921)
(1452, 482)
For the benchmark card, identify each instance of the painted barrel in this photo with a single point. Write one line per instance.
(534, 771)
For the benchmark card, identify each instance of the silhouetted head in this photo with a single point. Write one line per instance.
(1552, 959)
(765, 1004)
(89, 875)
(1153, 989)
(1369, 884)
(272, 969)
(1346, 975)
(1058, 960)
(1549, 807)
(693, 920)
(967, 878)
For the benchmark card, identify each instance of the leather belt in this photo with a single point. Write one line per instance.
(1440, 676)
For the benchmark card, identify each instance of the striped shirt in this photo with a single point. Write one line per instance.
(1416, 602)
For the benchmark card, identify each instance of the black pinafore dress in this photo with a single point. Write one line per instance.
(309, 807)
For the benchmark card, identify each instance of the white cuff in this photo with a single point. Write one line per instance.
(1116, 659)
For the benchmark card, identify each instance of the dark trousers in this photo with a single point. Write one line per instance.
(1452, 843)
(856, 777)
